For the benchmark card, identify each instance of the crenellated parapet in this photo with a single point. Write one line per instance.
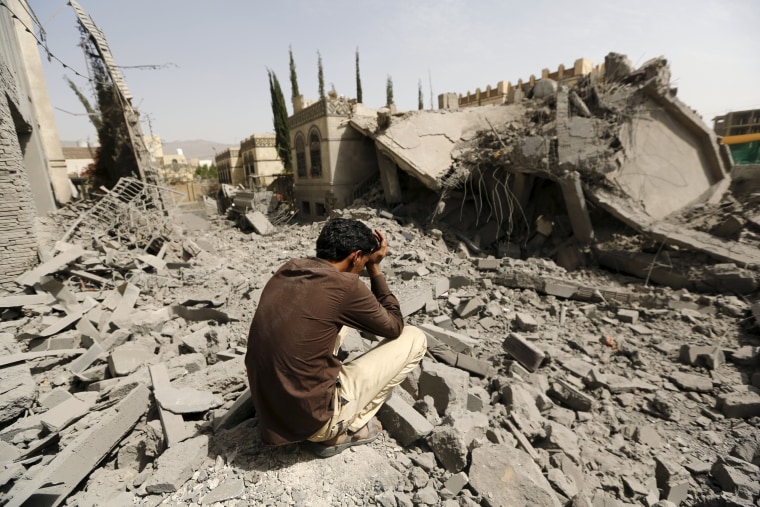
(507, 93)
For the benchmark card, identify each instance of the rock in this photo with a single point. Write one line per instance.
(742, 405)
(689, 382)
(544, 88)
(227, 490)
(521, 405)
(403, 422)
(702, 355)
(447, 385)
(508, 476)
(672, 479)
(176, 465)
(450, 447)
(127, 358)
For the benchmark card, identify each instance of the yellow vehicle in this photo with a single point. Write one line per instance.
(740, 131)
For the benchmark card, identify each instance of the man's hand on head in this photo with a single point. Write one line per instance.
(378, 254)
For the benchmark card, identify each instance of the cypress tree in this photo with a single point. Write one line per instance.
(358, 80)
(389, 91)
(293, 77)
(115, 158)
(420, 105)
(320, 77)
(280, 120)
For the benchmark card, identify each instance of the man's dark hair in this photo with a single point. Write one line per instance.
(340, 237)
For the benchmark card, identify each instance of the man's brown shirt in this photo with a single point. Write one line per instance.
(291, 367)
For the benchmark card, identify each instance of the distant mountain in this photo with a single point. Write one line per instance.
(197, 148)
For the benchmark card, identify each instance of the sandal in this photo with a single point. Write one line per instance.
(325, 451)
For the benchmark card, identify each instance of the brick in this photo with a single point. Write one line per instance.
(525, 322)
(523, 351)
(489, 264)
(570, 396)
(628, 316)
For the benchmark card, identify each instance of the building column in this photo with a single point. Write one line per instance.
(389, 179)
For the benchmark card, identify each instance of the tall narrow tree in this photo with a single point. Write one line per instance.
(320, 77)
(293, 77)
(389, 91)
(280, 120)
(420, 105)
(358, 80)
(115, 157)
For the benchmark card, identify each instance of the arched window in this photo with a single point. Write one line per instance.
(315, 153)
(300, 156)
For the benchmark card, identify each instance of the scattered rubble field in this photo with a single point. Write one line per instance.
(600, 348)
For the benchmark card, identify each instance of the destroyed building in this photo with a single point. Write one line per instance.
(549, 381)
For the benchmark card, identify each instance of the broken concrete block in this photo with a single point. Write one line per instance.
(689, 382)
(176, 465)
(17, 391)
(737, 476)
(455, 483)
(64, 414)
(449, 448)
(470, 307)
(457, 341)
(227, 490)
(489, 264)
(710, 357)
(521, 405)
(523, 351)
(446, 385)
(260, 223)
(127, 358)
(746, 356)
(562, 438)
(508, 476)
(525, 322)
(403, 423)
(241, 410)
(672, 479)
(647, 435)
(742, 405)
(173, 425)
(54, 397)
(570, 396)
(186, 400)
(628, 316)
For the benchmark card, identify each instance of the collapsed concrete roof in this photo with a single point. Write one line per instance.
(423, 143)
(622, 142)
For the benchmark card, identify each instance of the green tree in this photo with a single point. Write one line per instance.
(320, 77)
(358, 80)
(420, 104)
(389, 91)
(206, 172)
(280, 119)
(293, 77)
(115, 157)
(92, 113)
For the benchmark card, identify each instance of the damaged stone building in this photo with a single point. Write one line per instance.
(32, 168)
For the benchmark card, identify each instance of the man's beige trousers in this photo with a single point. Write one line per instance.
(367, 381)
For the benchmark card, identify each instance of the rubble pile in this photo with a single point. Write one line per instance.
(124, 384)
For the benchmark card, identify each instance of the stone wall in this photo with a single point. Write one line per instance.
(18, 242)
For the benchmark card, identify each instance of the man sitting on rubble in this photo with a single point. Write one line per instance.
(300, 389)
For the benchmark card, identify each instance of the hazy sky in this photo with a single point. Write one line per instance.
(214, 85)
